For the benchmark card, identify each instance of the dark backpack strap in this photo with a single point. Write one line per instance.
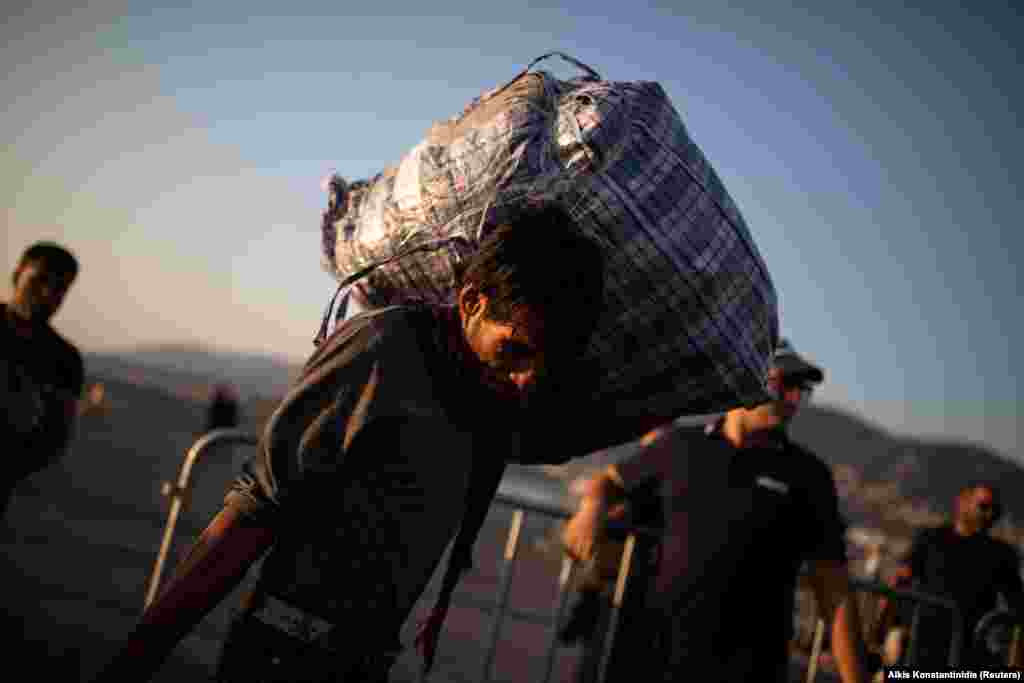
(325, 323)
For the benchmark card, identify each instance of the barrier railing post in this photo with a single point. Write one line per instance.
(511, 549)
(956, 641)
(178, 492)
(992, 622)
(816, 645)
(613, 622)
(910, 658)
(563, 600)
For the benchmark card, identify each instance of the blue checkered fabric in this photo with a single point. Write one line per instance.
(691, 316)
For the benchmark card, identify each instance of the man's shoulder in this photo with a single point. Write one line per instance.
(936, 533)
(64, 354)
(800, 450)
(52, 349)
(67, 350)
(697, 441)
(809, 462)
(699, 437)
(391, 331)
(1000, 546)
(402, 321)
(380, 324)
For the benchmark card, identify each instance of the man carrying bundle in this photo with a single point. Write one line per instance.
(397, 431)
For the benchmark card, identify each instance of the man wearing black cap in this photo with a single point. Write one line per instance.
(744, 509)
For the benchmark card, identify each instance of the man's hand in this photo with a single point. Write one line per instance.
(582, 531)
(427, 635)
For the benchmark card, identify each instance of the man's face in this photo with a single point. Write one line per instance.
(38, 291)
(790, 392)
(977, 509)
(511, 354)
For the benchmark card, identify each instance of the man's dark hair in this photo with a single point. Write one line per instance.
(542, 262)
(52, 255)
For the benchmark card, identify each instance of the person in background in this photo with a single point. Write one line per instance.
(744, 509)
(223, 412)
(42, 373)
(963, 562)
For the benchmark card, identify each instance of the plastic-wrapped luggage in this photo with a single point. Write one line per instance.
(691, 312)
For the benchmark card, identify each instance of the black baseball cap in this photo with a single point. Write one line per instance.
(793, 366)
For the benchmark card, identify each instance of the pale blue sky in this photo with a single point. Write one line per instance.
(874, 151)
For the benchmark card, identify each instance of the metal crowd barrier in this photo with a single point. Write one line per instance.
(177, 491)
(909, 657)
(958, 636)
(522, 506)
(995, 619)
(956, 643)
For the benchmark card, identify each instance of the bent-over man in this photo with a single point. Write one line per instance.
(393, 439)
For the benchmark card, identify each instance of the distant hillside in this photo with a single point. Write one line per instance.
(174, 368)
(897, 484)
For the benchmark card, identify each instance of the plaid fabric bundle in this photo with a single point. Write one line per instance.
(401, 233)
(691, 315)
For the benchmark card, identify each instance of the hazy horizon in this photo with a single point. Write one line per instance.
(872, 148)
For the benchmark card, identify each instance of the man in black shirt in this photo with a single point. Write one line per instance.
(41, 372)
(744, 508)
(963, 562)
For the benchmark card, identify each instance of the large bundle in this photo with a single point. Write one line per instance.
(691, 318)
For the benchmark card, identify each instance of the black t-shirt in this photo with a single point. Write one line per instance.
(738, 526)
(383, 451)
(43, 368)
(360, 452)
(972, 571)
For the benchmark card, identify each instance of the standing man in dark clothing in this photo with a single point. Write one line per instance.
(744, 508)
(41, 372)
(962, 561)
(223, 412)
(393, 439)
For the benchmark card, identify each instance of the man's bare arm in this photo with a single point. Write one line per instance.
(838, 606)
(216, 564)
